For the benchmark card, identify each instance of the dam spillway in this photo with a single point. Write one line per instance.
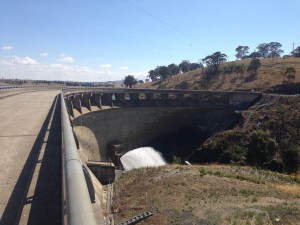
(131, 128)
(142, 157)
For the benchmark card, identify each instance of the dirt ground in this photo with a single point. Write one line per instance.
(207, 194)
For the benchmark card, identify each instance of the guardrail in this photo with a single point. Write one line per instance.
(77, 208)
(30, 87)
(112, 97)
(82, 89)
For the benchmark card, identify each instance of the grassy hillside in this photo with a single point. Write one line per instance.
(207, 195)
(270, 73)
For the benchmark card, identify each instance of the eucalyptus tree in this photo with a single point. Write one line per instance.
(213, 61)
(270, 50)
(184, 66)
(296, 52)
(153, 75)
(174, 69)
(130, 81)
(242, 52)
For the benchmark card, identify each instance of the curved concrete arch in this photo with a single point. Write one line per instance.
(88, 144)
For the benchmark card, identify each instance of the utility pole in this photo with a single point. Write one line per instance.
(293, 48)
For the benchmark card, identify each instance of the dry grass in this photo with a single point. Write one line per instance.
(288, 188)
(214, 194)
(269, 74)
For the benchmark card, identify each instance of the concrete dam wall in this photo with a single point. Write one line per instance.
(107, 123)
(106, 133)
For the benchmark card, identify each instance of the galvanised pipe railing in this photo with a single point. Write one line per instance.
(74, 90)
(76, 196)
(2, 88)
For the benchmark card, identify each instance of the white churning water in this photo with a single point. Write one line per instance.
(142, 157)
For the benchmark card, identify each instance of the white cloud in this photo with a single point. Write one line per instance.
(106, 66)
(7, 48)
(55, 72)
(139, 74)
(65, 59)
(3, 62)
(123, 68)
(44, 54)
(62, 67)
(23, 61)
(28, 68)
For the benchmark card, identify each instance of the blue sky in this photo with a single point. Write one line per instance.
(100, 40)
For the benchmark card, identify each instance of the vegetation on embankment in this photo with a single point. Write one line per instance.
(211, 194)
(234, 75)
(268, 137)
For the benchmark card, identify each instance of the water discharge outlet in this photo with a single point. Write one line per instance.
(142, 157)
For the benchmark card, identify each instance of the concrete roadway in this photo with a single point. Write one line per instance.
(29, 155)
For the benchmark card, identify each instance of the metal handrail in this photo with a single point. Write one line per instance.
(78, 204)
(30, 87)
(83, 89)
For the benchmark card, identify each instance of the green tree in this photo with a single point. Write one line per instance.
(290, 73)
(130, 81)
(194, 66)
(263, 50)
(270, 50)
(213, 61)
(153, 75)
(242, 52)
(164, 72)
(253, 66)
(174, 69)
(254, 55)
(296, 52)
(274, 50)
(184, 66)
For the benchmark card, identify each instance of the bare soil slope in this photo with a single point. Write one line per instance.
(212, 194)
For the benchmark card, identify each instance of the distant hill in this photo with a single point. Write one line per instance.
(270, 73)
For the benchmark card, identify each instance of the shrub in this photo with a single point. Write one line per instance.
(262, 148)
(230, 147)
(176, 159)
(202, 172)
(296, 122)
(234, 154)
(239, 69)
(290, 155)
(229, 69)
(183, 85)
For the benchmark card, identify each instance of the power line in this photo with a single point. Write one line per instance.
(167, 24)
(152, 27)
